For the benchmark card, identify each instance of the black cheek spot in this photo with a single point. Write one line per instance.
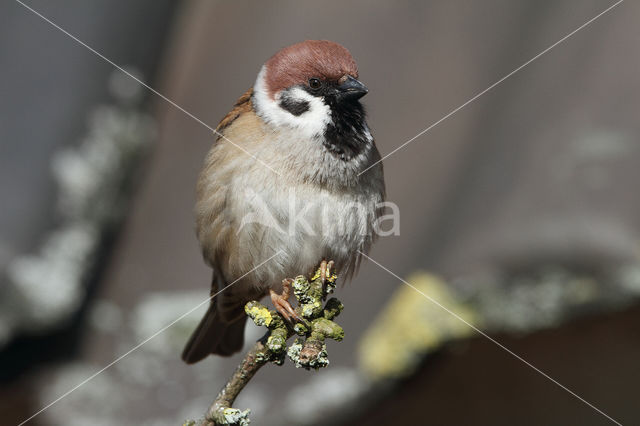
(294, 106)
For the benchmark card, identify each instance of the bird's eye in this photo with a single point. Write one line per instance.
(315, 83)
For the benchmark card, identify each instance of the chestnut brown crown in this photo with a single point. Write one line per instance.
(296, 64)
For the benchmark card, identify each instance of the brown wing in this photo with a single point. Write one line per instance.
(221, 330)
(243, 104)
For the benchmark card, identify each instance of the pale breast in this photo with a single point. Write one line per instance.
(246, 213)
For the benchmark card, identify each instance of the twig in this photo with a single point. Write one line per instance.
(221, 411)
(308, 350)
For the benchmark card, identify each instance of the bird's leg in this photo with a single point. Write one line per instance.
(281, 301)
(325, 272)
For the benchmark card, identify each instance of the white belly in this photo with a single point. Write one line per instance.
(308, 225)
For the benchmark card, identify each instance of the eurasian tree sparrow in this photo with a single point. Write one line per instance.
(303, 118)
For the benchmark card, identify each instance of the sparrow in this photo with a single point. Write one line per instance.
(283, 182)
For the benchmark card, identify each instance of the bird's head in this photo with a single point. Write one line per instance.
(310, 86)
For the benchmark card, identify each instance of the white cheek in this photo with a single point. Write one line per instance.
(311, 123)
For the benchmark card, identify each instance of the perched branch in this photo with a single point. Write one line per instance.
(307, 351)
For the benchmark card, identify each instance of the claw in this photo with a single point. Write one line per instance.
(281, 302)
(325, 272)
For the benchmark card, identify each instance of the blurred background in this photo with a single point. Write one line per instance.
(520, 213)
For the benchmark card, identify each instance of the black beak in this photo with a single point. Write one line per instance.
(351, 89)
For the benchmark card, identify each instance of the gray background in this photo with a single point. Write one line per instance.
(543, 168)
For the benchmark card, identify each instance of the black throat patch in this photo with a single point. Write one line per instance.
(347, 135)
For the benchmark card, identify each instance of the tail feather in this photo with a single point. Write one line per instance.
(214, 336)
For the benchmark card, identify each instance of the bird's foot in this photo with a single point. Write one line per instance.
(325, 272)
(281, 302)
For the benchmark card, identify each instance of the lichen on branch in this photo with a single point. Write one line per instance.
(308, 350)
